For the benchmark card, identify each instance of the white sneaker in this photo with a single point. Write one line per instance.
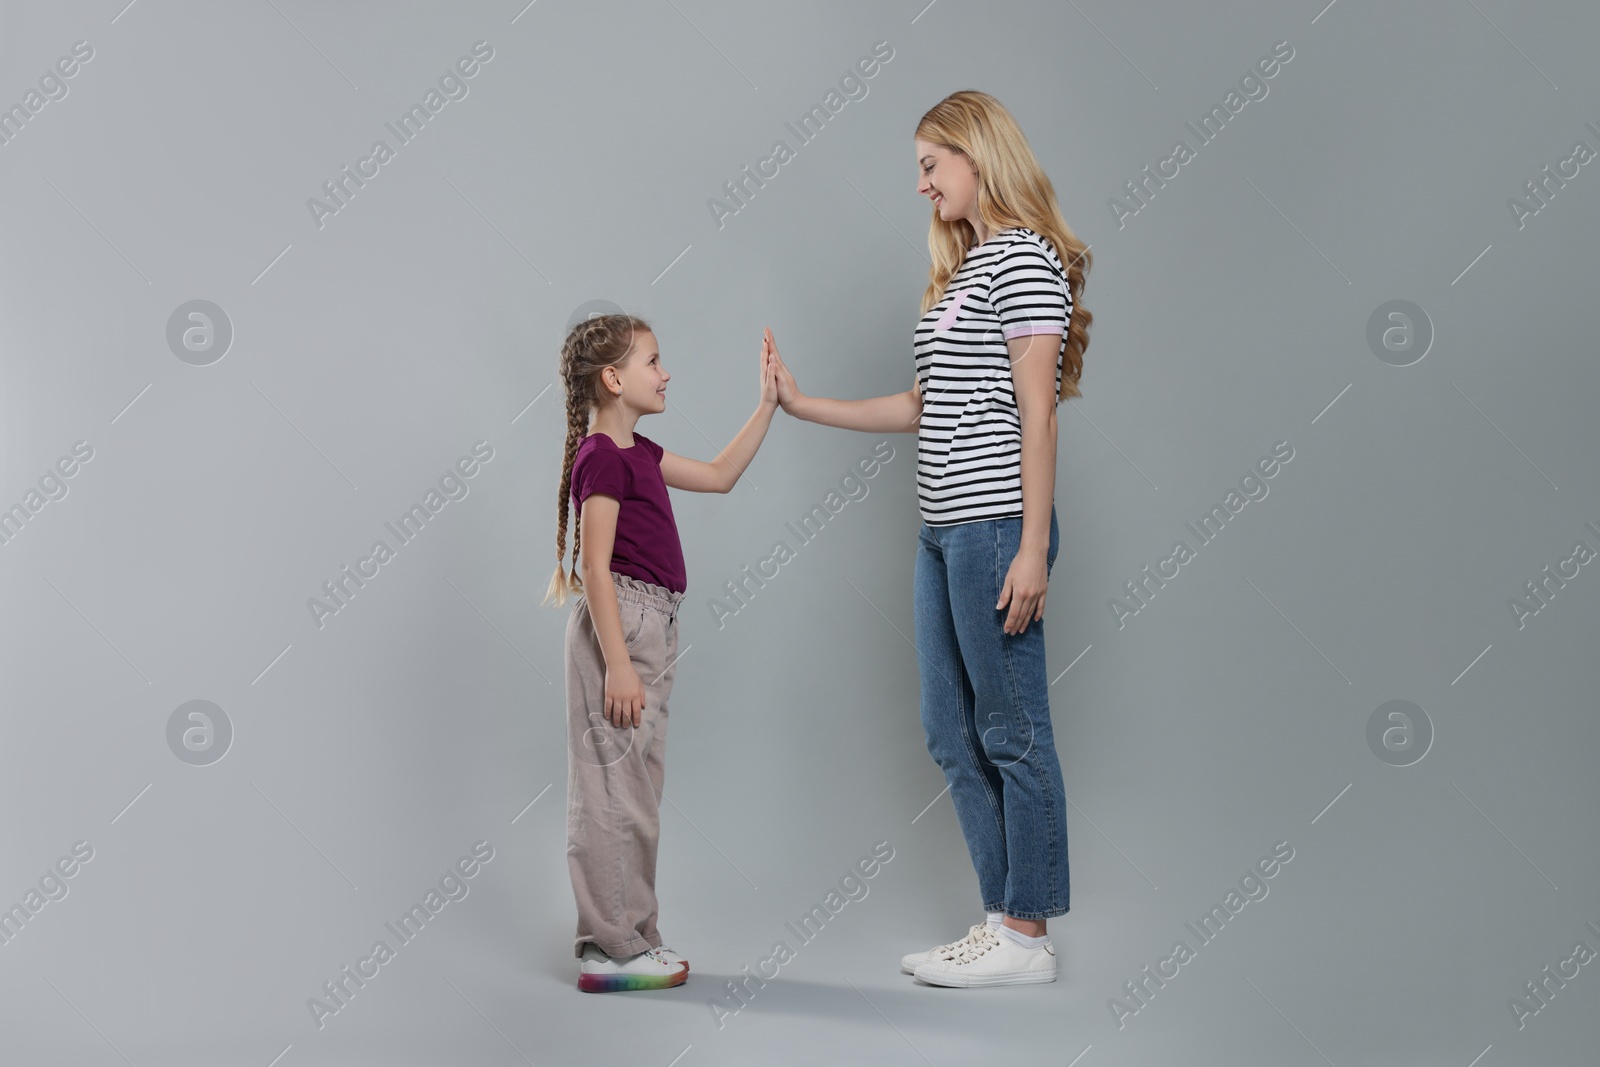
(672, 957)
(910, 961)
(991, 959)
(600, 973)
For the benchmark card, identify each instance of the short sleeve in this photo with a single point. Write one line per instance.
(599, 470)
(1028, 293)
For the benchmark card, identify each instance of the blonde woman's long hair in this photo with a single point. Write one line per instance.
(591, 346)
(1012, 190)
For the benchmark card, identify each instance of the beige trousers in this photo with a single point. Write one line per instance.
(615, 774)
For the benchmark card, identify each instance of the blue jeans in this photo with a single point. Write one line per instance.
(986, 713)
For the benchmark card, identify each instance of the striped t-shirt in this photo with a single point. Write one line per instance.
(969, 444)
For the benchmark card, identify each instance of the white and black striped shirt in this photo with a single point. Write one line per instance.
(969, 445)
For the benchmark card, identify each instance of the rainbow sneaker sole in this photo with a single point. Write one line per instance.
(621, 983)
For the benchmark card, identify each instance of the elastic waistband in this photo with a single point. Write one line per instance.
(635, 591)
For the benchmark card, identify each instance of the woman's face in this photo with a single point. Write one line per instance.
(947, 178)
(644, 380)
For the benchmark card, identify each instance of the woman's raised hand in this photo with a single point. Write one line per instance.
(788, 391)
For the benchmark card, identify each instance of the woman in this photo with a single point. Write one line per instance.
(1000, 343)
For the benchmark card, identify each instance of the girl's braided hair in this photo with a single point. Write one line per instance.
(591, 346)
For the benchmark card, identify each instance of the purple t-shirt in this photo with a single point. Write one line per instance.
(646, 546)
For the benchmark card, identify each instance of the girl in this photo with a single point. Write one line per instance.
(1000, 344)
(622, 635)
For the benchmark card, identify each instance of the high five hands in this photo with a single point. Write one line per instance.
(769, 382)
(784, 384)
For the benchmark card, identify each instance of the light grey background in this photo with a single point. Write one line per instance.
(1231, 313)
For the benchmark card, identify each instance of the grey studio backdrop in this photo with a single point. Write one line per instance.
(1370, 273)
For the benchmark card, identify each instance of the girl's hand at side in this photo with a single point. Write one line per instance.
(624, 696)
(788, 391)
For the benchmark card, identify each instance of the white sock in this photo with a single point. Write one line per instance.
(1018, 938)
(994, 918)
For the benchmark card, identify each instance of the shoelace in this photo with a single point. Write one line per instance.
(955, 946)
(984, 940)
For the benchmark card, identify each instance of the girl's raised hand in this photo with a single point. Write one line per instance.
(769, 376)
(787, 389)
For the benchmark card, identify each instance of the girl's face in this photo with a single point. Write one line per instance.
(947, 178)
(644, 381)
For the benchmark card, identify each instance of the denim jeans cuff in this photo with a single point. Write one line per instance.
(1048, 913)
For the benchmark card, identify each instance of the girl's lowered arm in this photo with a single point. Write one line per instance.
(599, 535)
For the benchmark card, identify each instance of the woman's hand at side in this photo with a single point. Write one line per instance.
(1027, 581)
